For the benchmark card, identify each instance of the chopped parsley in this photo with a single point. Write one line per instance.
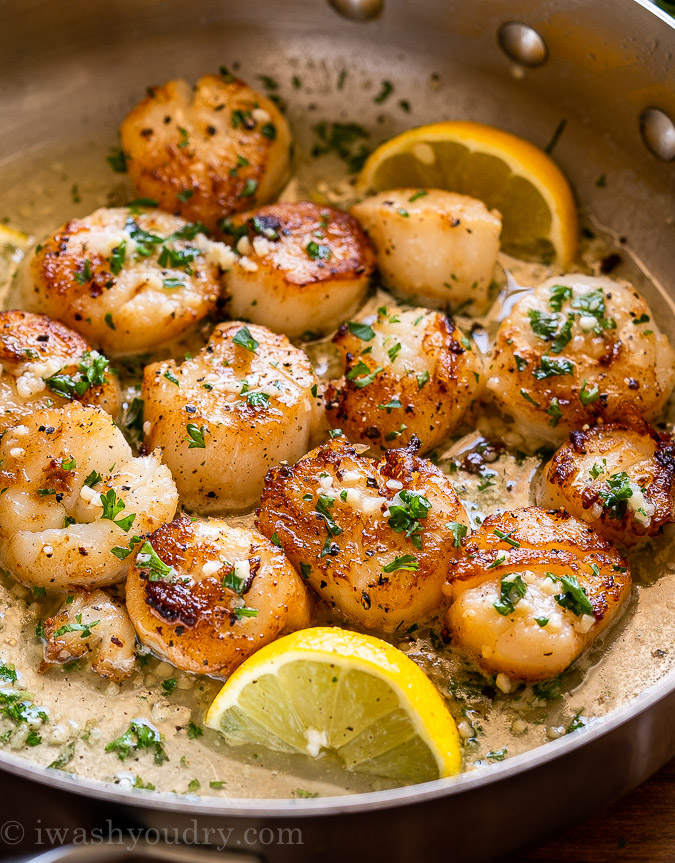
(393, 403)
(90, 373)
(195, 438)
(169, 685)
(139, 735)
(346, 140)
(194, 731)
(528, 398)
(614, 497)
(588, 396)
(362, 376)
(148, 559)
(559, 294)
(94, 478)
(512, 589)
(169, 375)
(386, 89)
(543, 325)
(554, 412)
(564, 337)
(117, 256)
(245, 340)
(117, 160)
(112, 506)
(258, 400)
(173, 283)
(394, 351)
(498, 754)
(362, 331)
(405, 561)
(234, 582)
(574, 597)
(245, 611)
(406, 512)
(459, 531)
(507, 537)
(550, 367)
(323, 507)
(596, 470)
(318, 251)
(250, 188)
(83, 628)
(592, 304)
(422, 379)
(178, 258)
(8, 673)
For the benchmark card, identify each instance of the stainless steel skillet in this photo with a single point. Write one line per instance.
(69, 70)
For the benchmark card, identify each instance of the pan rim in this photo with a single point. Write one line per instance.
(278, 808)
(349, 803)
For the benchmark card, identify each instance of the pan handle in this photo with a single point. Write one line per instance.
(119, 853)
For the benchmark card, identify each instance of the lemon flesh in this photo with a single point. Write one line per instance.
(13, 246)
(507, 173)
(353, 695)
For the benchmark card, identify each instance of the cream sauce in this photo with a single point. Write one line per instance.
(84, 713)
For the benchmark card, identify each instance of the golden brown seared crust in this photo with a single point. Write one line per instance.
(131, 303)
(303, 267)
(207, 151)
(254, 408)
(546, 541)
(190, 616)
(564, 360)
(36, 344)
(345, 557)
(428, 405)
(292, 227)
(577, 475)
(24, 334)
(110, 642)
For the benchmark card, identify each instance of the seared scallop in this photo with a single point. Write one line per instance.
(618, 477)
(373, 538)
(206, 151)
(433, 247)
(247, 401)
(573, 351)
(44, 363)
(205, 596)
(127, 280)
(95, 626)
(303, 268)
(531, 592)
(74, 500)
(407, 373)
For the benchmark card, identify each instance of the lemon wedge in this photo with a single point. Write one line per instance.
(13, 246)
(507, 173)
(354, 695)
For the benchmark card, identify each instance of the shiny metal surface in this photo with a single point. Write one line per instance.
(522, 44)
(73, 70)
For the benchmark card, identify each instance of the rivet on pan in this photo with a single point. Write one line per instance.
(658, 133)
(358, 10)
(522, 44)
